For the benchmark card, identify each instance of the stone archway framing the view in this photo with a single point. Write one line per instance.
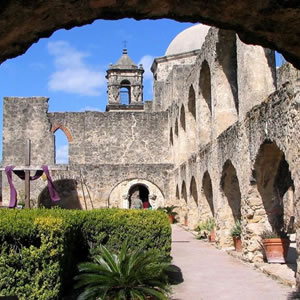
(119, 195)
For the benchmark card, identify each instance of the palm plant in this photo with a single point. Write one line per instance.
(169, 210)
(137, 275)
(236, 230)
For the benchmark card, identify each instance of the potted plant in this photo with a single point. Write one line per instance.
(211, 228)
(276, 245)
(169, 210)
(236, 232)
(186, 222)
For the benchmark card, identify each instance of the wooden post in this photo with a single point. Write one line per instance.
(27, 174)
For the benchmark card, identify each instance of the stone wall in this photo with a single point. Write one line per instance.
(115, 137)
(136, 142)
(230, 165)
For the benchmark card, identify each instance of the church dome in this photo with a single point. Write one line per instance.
(190, 39)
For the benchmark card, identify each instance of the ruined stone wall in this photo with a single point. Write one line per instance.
(287, 73)
(169, 73)
(94, 184)
(116, 137)
(231, 163)
(26, 118)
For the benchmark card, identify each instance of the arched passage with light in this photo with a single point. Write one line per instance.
(62, 138)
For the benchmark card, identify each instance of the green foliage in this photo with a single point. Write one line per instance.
(236, 230)
(204, 228)
(169, 210)
(40, 248)
(134, 274)
(206, 225)
(272, 234)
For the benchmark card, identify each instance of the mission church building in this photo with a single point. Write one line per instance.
(220, 139)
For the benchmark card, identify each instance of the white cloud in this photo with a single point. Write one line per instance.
(72, 74)
(90, 108)
(147, 61)
(62, 154)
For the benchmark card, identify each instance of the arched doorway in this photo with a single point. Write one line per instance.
(122, 193)
(138, 192)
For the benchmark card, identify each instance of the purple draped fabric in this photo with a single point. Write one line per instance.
(52, 192)
(13, 192)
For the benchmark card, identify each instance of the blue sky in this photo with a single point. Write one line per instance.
(70, 66)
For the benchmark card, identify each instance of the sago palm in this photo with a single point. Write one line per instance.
(137, 275)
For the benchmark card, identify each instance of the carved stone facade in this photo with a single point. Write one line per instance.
(220, 139)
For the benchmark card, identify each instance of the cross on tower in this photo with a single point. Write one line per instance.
(125, 44)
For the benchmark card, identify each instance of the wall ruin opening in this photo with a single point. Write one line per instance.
(61, 147)
(193, 190)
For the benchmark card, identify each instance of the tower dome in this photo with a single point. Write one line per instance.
(190, 39)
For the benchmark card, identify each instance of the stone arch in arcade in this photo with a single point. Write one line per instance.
(205, 104)
(191, 116)
(230, 202)
(275, 186)
(206, 204)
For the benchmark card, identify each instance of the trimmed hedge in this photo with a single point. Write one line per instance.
(40, 248)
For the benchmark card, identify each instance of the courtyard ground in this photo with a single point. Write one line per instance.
(209, 273)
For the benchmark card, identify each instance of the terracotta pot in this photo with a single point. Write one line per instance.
(171, 218)
(237, 244)
(185, 221)
(276, 249)
(212, 236)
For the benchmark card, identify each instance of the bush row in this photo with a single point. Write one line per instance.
(40, 248)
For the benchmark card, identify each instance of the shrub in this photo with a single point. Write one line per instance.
(40, 248)
(130, 275)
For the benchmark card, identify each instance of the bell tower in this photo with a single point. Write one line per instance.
(125, 85)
